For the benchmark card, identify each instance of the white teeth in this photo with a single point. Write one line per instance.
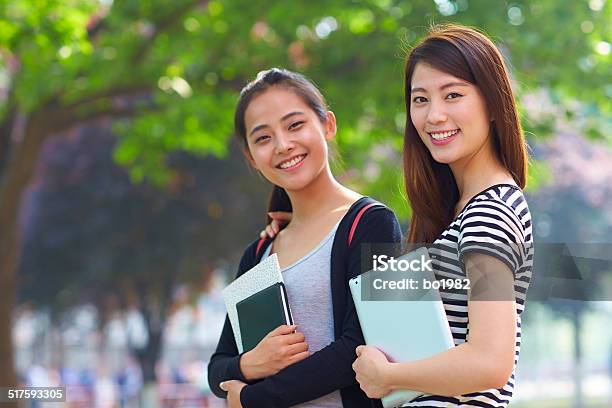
(444, 135)
(292, 162)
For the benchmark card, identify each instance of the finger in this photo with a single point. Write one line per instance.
(299, 357)
(263, 234)
(275, 225)
(226, 385)
(281, 215)
(294, 338)
(282, 330)
(359, 350)
(297, 348)
(270, 231)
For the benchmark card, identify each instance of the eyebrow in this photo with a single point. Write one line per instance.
(287, 116)
(448, 85)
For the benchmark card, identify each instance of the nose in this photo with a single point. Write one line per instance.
(284, 143)
(436, 113)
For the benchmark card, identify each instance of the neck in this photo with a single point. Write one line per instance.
(322, 195)
(478, 171)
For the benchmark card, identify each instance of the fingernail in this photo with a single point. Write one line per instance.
(222, 385)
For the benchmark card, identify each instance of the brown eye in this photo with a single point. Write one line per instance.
(261, 138)
(453, 95)
(419, 99)
(295, 125)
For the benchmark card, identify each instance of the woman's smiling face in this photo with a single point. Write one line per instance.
(286, 140)
(449, 114)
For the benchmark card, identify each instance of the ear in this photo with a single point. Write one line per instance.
(330, 126)
(249, 157)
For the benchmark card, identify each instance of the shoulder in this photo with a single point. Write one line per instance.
(374, 222)
(500, 208)
(379, 213)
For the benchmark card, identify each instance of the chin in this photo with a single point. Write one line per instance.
(295, 186)
(292, 185)
(444, 158)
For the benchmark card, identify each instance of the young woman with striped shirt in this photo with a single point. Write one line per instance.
(465, 163)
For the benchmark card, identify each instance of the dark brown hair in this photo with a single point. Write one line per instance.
(430, 186)
(294, 82)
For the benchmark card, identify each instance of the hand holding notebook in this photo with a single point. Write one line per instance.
(280, 348)
(258, 310)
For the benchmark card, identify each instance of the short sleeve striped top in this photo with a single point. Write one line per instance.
(497, 222)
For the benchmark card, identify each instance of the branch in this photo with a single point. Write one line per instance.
(70, 118)
(119, 112)
(115, 92)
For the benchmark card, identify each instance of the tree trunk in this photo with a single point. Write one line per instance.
(15, 178)
(148, 359)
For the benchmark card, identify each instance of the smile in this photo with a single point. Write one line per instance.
(444, 134)
(291, 163)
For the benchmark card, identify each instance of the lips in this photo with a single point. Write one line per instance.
(443, 134)
(291, 163)
(442, 137)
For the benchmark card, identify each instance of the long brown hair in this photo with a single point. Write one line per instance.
(430, 186)
(294, 82)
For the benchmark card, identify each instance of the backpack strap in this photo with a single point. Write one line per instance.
(259, 246)
(356, 221)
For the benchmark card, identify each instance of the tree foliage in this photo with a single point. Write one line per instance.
(88, 231)
(174, 67)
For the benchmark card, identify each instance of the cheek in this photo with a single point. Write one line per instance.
(259, 157)
(418, 121)
(479, 119)
(418, 118)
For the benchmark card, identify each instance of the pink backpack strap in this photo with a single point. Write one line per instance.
(259, 245)
(356, 221)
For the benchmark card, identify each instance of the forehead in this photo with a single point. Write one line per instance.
(271, 105)
(427, 76)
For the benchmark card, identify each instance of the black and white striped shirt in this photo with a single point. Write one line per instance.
(496, 222)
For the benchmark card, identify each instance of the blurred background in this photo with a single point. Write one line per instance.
(125, 204)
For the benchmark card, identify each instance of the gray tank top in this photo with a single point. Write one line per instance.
(309, 291)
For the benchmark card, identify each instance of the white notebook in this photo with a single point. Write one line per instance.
(264, 274)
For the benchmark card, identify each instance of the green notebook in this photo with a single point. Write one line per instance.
(261, 313)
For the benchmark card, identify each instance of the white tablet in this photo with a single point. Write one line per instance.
(406, 324)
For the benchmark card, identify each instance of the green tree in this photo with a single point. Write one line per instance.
(167, 74)
(132, 242)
